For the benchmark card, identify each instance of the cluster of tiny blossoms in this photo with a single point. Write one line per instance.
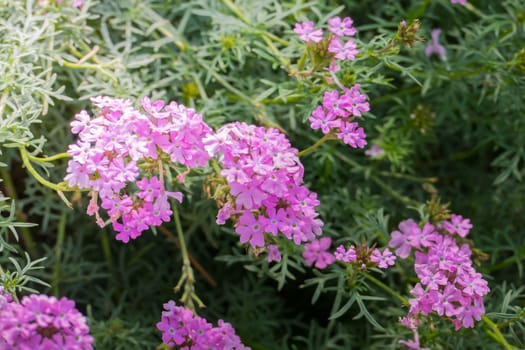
(316, 253)
(448, 283)
(264, 195)
(181, 329)
(337, 113)
(339, 109)
(120, 156)
(42, 322)
(339, 45)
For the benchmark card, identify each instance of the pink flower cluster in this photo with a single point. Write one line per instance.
(264, 178)
(448, 283)
(120, 156)
(462, 2)
(316, 253)
(337, 113)
(42, 322)
(339, 29)
(183, 330)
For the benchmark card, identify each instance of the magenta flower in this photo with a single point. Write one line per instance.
(352, 135)
(458, 225)
(346, 51)
(384, 259)
(406, 238)
(250, 229)
(435, 48)
(316, 252)
(264, 177)
(273, 253)
(375, 151)
(114, 152)
(181, 329)
(306, 32)
(341, 27)
(462, 2)
(324, 121)
(43, 322)
(345, 255)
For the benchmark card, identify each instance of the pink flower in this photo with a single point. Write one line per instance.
(250, 229)
(384, 259)
(345, 255)
(306, 32)
(316, 252)
(273, 253)
(180, 328)
(375, 151)
(458, 225)
(264, 177)
(435, 48)
(462, 2)
(43, 321)
(346, 51)
(342, 27)
(406, 238)
(352, 135)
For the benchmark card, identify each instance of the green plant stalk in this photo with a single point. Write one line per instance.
(188, 278)
(27, 163)
(97, 67)
(48, 159)
(316, 145)
(387, 289)
(11, 192)
(61, 233)
(496, 334)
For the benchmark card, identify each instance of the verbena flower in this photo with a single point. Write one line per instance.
(316, 253)
(43, 322)
(375, 151)
(435, 48)
(120, 155)
(181, 329)
(306, 32)
(264, 195)
(448, 283)
(337, 115)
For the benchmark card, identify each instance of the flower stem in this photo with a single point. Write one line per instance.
(316, 145)
(387, 289)
(188, 278)
(58, 252)
(48, 159)
(27, 163)
(496, 334)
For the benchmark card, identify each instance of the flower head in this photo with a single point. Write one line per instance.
(435, 48)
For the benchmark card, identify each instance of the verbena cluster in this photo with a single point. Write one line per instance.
(42, 322)
(264, 197)
(120, 155)
(183, 330)
(339, 109)
(317, 253)
(448, 283)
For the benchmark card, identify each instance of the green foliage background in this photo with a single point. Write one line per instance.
(453, 128)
